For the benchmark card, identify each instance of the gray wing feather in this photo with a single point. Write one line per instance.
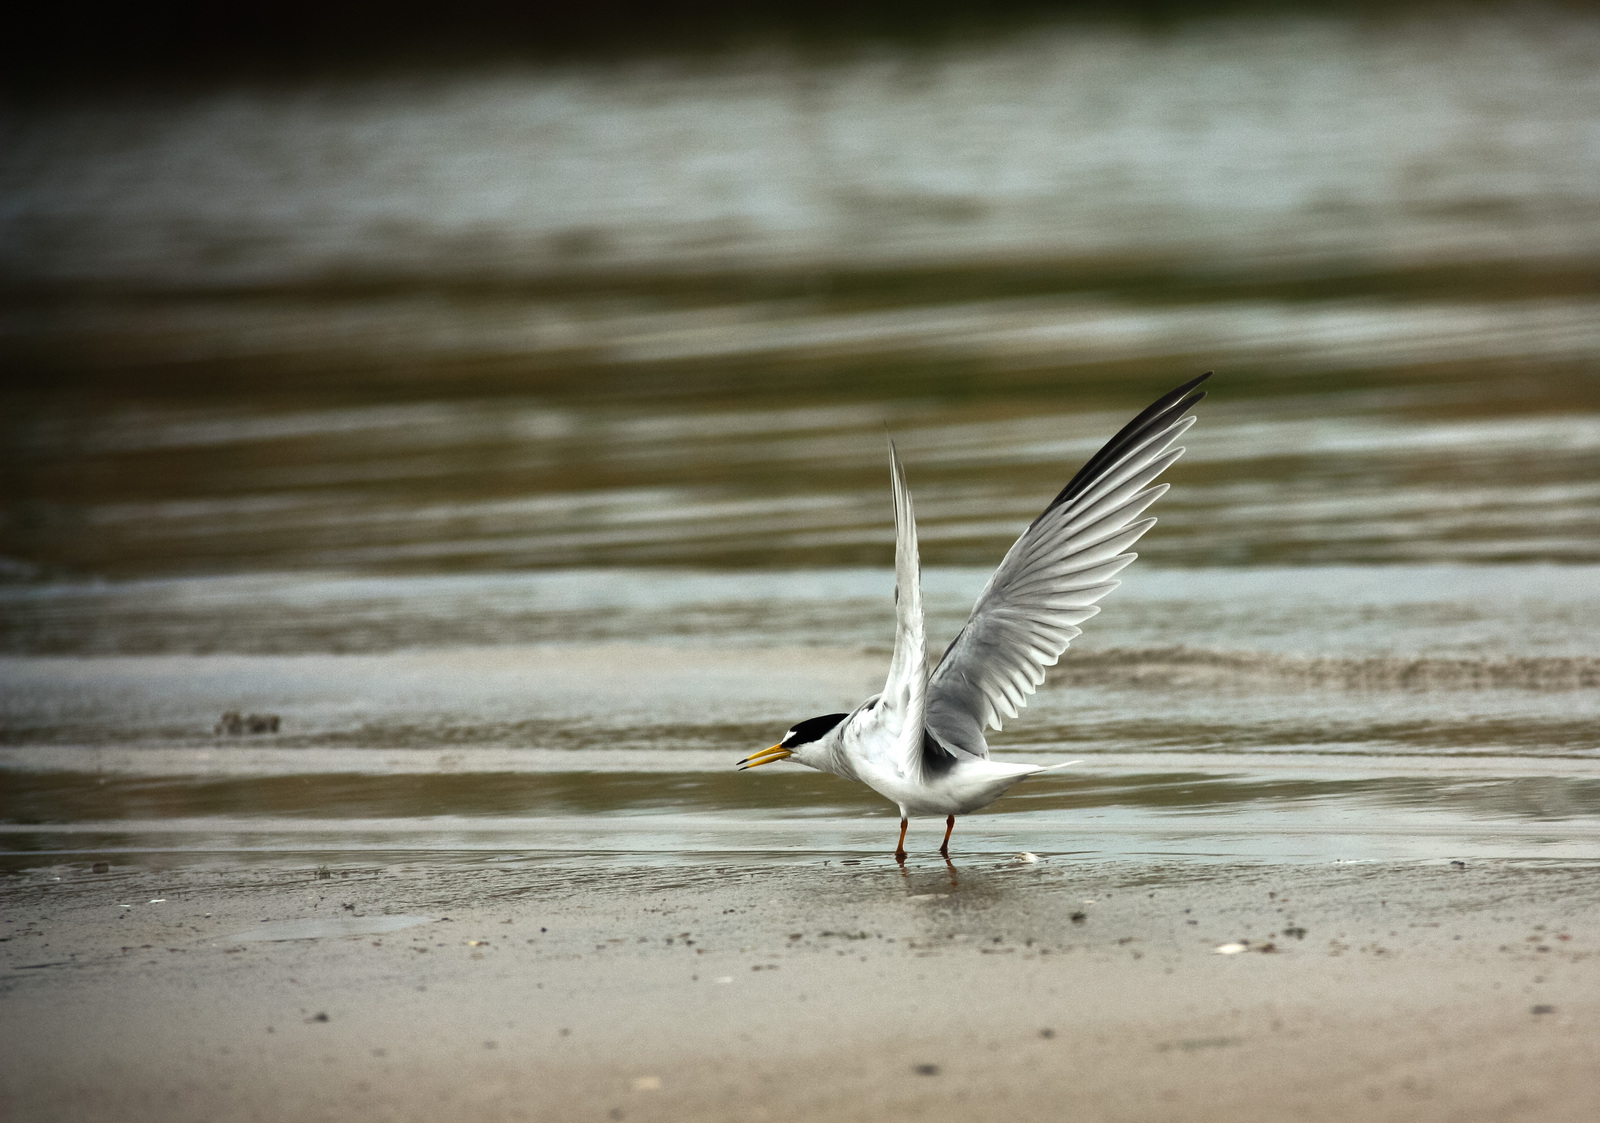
(903, 702)
(1051, 579)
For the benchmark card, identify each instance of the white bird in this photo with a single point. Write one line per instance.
(920, 743)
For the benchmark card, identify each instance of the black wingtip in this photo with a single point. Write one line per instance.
(1164, 410)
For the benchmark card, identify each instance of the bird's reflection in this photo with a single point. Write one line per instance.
(950, 869)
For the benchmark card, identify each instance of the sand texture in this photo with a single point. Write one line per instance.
(825, 989)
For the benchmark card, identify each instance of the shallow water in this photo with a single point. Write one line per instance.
(532, 473)
(1288, 714)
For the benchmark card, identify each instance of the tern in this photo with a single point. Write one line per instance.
(921, 742)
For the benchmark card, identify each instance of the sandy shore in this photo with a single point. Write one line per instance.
(557, 989)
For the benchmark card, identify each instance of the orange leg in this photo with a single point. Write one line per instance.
(949, 825)
(900, 847)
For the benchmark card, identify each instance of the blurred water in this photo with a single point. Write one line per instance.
(1417, 138)
(1457, 469)
(1287, 713)
(518, 439)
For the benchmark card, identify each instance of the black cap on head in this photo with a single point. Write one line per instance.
(811, 729)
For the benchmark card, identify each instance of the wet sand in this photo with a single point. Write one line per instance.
(830, 988)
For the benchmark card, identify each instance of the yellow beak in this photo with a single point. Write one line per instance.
(765, 756)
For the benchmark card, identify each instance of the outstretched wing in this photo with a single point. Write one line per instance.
(1051, 578)
(900, 709)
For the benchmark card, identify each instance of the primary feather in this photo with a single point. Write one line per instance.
(1052, 578)
(903, 704)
